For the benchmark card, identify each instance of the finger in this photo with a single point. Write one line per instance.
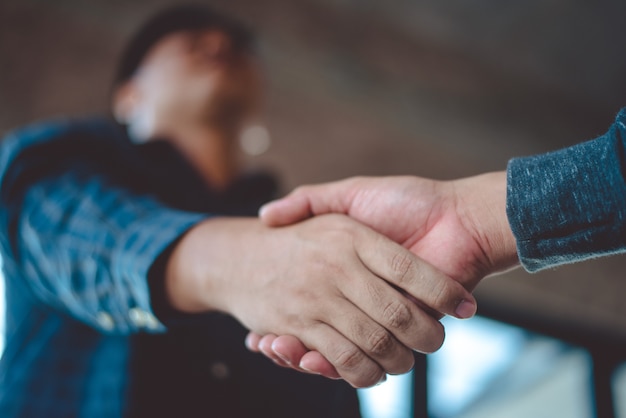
(306, 201)
(416, 277)
(286, 211)
(289, 348)
(293, 352)
(314, 362)
(265, 346)
(400, 317)
(350, 362)
(252, 342)
(369, 336)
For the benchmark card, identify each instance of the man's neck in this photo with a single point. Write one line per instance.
(211, 152)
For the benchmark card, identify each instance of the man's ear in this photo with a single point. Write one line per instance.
(125, 101)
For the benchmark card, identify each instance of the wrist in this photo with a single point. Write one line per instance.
(182, 275)
(195, 271)
(482, 204)
(205, 270)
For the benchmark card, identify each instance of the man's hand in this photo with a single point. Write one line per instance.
(458, 226)
(337, 286)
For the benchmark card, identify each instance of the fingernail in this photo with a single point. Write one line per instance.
(248, 342)
(382, 380)
(465, 309)
(307, 370)
(263, 209)
(283, 358)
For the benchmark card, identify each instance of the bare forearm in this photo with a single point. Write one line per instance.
(203, 259)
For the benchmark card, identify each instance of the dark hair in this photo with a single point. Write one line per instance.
(174, 19)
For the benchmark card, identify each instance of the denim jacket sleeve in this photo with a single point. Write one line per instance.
(570, 205)
(82, 244)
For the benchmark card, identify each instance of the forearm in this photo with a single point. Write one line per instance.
(86, 249)
(205, 262)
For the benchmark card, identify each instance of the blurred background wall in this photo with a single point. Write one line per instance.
(370, 87)
(431, 88)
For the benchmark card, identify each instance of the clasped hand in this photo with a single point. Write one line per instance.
(460, 227)
(336, 286)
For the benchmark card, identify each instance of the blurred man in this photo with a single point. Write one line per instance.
(119, 274)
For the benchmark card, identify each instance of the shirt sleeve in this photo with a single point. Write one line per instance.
(84, 245)
(570, 205)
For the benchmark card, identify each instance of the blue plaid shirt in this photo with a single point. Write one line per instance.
(86, 220)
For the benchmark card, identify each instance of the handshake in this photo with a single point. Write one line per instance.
(397, 255)
(346, 279)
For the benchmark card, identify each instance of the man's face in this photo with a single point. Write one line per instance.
(196, 76)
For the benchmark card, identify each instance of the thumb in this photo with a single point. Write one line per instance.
(307, 201)
(288, 210)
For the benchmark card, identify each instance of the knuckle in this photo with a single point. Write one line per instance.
(349, 359)
(401, 266)
(381, 343)
(337, 228)
(443, 294)
(301, 190)
(330, 270)
(397, 315)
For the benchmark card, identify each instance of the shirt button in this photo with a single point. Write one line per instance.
(137, 317)
(105, 321)
(143, 319)
(220, 370)
(152, 322)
